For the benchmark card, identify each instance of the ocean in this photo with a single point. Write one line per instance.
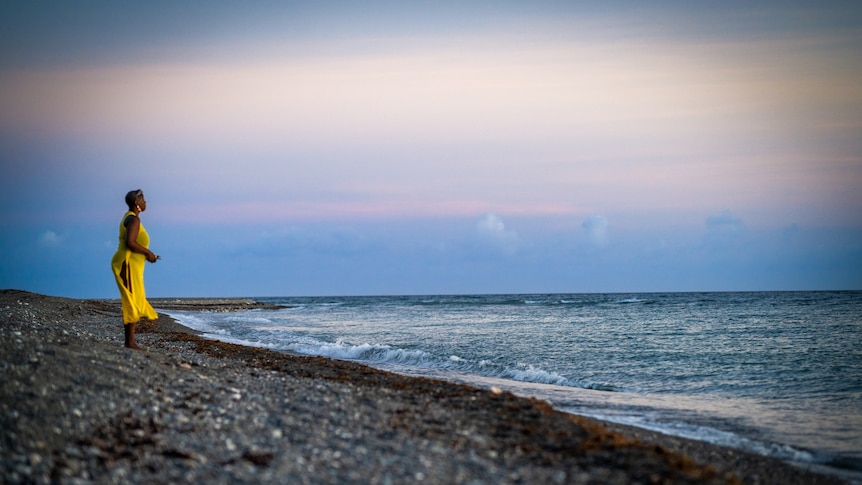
(775, 373)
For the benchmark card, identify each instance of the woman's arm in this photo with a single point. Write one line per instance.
(132, 239)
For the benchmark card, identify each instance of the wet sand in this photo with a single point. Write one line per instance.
(77, 407)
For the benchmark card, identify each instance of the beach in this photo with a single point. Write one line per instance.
(77, 407)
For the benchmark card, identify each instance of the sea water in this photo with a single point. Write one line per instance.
(775, 373)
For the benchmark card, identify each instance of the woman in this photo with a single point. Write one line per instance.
(128, 266)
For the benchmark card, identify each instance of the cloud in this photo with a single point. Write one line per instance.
(490, 231)
(490, 224)
(725, 232)
(724, 227)
(596, 227)
(50, 239)
(724, 222)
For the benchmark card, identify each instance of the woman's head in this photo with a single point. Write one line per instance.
(135, 199)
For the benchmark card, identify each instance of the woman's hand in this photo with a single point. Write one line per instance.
(153, 257)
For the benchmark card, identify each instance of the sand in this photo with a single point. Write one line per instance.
(77, 407)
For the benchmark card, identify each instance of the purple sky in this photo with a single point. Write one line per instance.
(342, 148)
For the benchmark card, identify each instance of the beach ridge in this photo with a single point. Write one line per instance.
(75, 405)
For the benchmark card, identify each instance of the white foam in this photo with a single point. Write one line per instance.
(193, 321)
(247, 319)
(632, 300)
(365, 352)
(531, 373)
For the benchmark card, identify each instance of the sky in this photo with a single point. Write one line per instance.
(369, 148)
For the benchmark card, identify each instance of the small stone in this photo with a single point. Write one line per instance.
(73, 452)
(92, 451)
(229, 444)
(35, 459)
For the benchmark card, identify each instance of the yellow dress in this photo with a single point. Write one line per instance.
(128, 267)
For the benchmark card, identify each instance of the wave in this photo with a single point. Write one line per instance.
(363, 352)
(382, 354)
(632, 300)
(195, 322)
(247, 319)
(530, 373)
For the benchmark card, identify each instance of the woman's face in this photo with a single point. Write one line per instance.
(142, 202)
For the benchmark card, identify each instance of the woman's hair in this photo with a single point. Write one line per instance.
(132, 196)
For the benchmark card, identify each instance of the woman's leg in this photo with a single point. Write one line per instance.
(129, 329)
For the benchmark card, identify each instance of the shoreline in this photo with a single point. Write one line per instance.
(76, 404)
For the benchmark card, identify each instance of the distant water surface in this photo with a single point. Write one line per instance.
(777, 373)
